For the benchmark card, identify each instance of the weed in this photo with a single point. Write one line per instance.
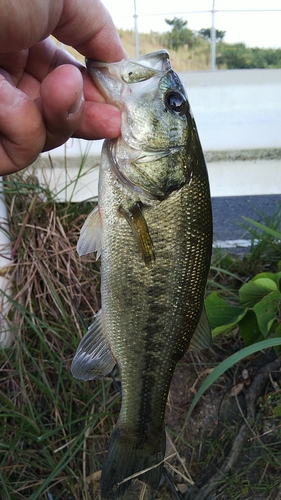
(229, 271)
(184, 59)
(55, 430)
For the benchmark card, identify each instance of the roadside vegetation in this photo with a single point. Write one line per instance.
(190, 50)
(54, 430)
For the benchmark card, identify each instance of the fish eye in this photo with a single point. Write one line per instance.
(174, 101)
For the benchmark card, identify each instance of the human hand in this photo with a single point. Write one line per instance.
(45, 95)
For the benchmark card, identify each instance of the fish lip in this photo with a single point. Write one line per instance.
(168, 151)
(154, 58)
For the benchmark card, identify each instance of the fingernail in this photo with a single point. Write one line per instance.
(9, 95)
(74, 108)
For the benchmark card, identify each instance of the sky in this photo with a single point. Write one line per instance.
(255, 29)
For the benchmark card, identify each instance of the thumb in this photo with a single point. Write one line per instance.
(62, 103)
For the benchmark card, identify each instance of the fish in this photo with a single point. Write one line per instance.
(152, 228)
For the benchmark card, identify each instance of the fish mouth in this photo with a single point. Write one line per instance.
(157, 61)
(135, 161)
(110, 78)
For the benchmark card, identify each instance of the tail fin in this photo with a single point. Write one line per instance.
(126, 456)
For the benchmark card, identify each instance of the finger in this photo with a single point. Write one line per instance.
(89, 28)
(100, 120)
(12, 65)
(62, 102)
(45, 56)
(22, 130)
(22, 24)
(91, 92)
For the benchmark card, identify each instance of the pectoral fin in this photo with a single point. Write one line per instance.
(91, 234)
(137, 222)
(202, 338)
(93, 358)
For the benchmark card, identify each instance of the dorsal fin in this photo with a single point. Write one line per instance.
(202, 338)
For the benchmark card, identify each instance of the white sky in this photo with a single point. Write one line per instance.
(255, 29)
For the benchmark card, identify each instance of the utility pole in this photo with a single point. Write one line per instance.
(213, 40)
(136, 33)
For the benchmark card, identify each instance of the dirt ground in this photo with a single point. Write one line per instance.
(230, 448)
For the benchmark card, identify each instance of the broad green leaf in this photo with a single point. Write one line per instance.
(249, 329)
(263, 228)
(266, 310)
(228, 363)
(276, 412)
(272, 276)
(277, 334)
(222, 316)
(252, 292)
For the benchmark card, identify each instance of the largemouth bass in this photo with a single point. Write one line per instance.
(153, 229)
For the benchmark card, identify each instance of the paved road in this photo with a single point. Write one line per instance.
(227, 214)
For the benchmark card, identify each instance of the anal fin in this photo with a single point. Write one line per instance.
(93, 358)
(202, 337)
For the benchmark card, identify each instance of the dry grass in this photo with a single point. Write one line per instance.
(50, 423)
(55, 430)
(185, 59)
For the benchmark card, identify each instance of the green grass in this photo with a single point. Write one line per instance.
(53, 427)
(229, 271)
(54, 430)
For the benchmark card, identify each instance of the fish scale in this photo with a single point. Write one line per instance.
(155, 224)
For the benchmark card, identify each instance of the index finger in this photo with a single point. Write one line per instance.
(88, 27)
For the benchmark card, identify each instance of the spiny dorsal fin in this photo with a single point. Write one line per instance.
(137, 222)
(202, 338)
(93, 358)
(91, 234)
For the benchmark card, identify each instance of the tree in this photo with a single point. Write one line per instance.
(206, 33)
(238, 56)
(180, 34)
(234, 56)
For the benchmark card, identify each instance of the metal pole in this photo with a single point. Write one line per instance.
(213, 40)
(136, 34)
